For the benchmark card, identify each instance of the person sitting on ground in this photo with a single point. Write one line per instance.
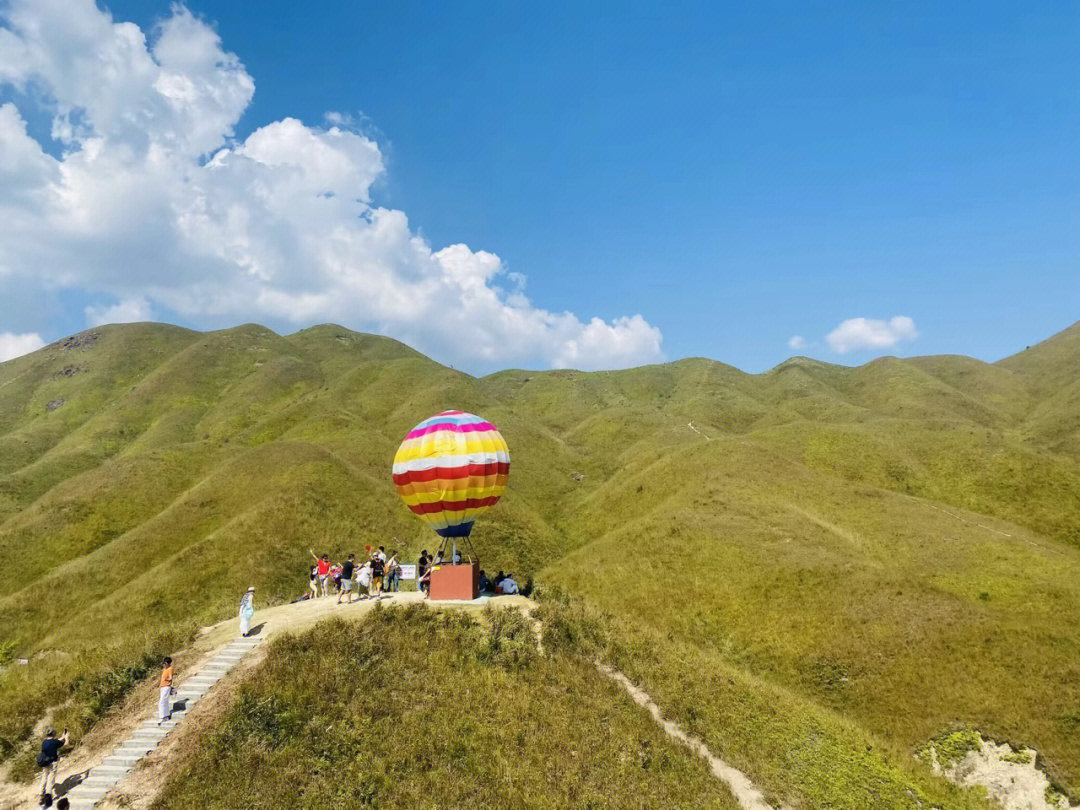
(509, 585)
(485, 583)
(347, 578)
(376, 574)
(49, 757)
(363, 581)
(323, 565)
(496, 583)
(165, 691)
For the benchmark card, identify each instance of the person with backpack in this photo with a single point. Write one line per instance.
(165, 691)
(393, 573)
(49, 757)
(323, 567)
(376, 574)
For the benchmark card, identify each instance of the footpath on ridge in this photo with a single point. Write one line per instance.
(104, 777)
(227, 650)
(112, 776)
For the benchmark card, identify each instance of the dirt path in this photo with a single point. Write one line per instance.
(138, 788)
(748, 796)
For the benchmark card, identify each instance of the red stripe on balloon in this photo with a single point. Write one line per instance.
(464, 471)
(453, 506)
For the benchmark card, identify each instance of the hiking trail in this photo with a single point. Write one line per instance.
(104, 777)
(744, 791)
(111, 775)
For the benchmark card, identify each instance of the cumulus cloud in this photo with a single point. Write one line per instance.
(866, 333)
(796, 342)
(130, 310)
(155, 204)
(12, 345)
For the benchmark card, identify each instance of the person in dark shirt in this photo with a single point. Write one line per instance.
(376, 574)
(49, 757)
(347, 569)
(422, 569)
(485, 583)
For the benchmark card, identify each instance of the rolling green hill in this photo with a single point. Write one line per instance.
(817, 568)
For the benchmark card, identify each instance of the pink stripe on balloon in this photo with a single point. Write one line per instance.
(473, 427)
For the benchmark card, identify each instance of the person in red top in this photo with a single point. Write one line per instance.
(323, 565)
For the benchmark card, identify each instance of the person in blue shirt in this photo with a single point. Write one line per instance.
(49, 757)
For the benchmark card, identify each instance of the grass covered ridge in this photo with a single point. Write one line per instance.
(891, 546)
(412, 708)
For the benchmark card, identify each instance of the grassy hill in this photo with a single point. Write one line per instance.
(360, 727)
(805, 564)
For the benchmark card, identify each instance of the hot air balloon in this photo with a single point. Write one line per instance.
(448, 470)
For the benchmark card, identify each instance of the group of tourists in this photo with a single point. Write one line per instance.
(379, 574)
(500, 584)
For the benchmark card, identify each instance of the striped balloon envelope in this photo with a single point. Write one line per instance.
(450, 468)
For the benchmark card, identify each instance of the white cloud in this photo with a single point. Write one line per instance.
(797, 342)
(12, 345)
(154, 203)
(865, 333)
(130, 310)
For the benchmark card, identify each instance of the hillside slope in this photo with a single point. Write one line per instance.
(896, 545)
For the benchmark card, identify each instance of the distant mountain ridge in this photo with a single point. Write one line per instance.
(150, 473)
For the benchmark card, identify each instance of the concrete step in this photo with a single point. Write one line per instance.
(138, 750)
(135, 743)
(121, 759)
(98, 782)
(151, 733)
(124, 759)
(114, 771)
(89, 797)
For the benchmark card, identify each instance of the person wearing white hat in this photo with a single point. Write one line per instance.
(247, 610)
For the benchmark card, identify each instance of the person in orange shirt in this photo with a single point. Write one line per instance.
(165, 691)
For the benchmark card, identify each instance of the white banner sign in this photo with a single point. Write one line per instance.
(408, 572)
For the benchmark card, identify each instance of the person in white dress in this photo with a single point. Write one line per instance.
(247, 610)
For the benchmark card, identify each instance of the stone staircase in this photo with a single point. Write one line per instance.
(145, 738)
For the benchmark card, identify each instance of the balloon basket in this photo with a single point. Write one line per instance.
(459, 582)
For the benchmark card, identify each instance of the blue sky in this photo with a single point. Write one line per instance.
(734, 174)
